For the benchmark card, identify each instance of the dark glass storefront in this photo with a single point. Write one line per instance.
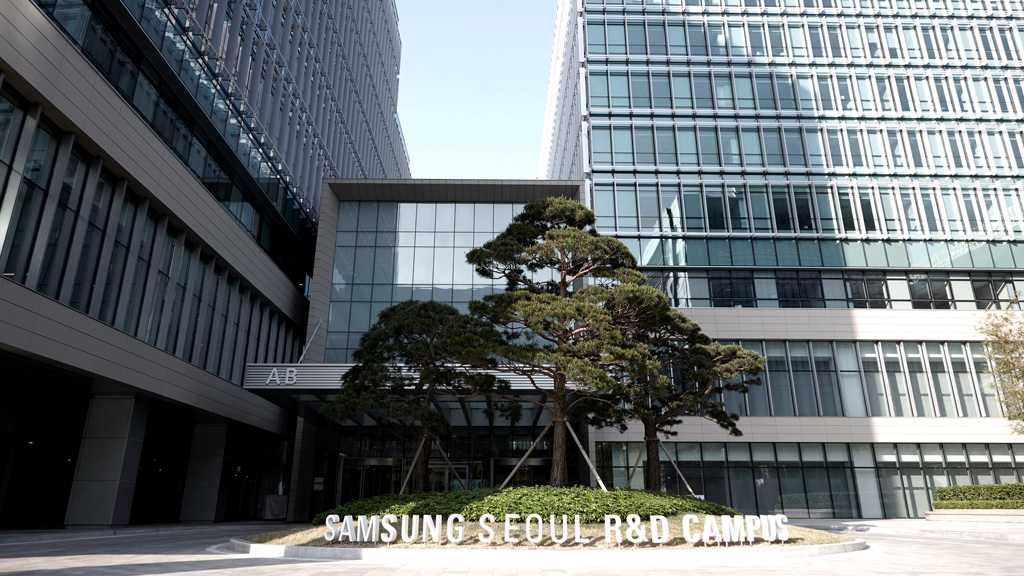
(816, 480)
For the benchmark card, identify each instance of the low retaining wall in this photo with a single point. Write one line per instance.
(446, 554)
(960, 515)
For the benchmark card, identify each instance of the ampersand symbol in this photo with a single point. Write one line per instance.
(636, 532)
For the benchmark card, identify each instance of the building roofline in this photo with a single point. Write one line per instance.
(451, 190)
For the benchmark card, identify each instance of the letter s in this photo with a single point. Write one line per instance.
(388, 524)
(484, 519)
(780, 521)
(332, 528)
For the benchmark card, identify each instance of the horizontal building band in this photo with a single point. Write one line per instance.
(847, 289)
(815, 480)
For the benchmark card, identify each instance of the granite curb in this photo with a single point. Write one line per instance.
(414, 555)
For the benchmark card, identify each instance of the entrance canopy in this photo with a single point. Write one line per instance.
(295, 377)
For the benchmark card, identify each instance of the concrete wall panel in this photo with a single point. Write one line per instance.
(93, 348)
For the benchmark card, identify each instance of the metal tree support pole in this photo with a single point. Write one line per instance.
(450, 466)
(311, 336)
(633, 469)
(673, 463)
(525, 456)
(412, 466)
(586, 457)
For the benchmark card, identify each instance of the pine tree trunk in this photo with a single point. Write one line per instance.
(422, 466)
(654, 477)
(559, 472)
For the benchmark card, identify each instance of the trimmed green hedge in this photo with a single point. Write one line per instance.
(591, 504)
(986, 492)
(978, 505)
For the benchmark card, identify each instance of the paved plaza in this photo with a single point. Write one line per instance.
(895, 547)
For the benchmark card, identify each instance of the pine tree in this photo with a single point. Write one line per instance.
(689, 375)
(557, 329)
(409, 357)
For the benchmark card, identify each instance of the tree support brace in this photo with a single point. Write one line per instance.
(629, 483)
(672, 461)
(450, 466)
(585, 456)
(412, 466)
(525, 456)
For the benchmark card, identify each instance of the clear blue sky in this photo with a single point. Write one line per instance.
(473, 86)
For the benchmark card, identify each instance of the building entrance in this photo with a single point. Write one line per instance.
(366, 477)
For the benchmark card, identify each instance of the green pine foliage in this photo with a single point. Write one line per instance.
(591, 504)
(409, 357)
(558, 329)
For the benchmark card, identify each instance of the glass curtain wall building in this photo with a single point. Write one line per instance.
(160, 179)
(400, 240)
(859, 160)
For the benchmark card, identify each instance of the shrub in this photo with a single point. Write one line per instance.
(591, 504)
(978, 505)
(428, 503)
(986, 492)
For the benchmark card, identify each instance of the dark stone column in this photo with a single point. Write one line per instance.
(108, 460)
(203, 500)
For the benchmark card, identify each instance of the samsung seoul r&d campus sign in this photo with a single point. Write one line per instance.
(656, 530)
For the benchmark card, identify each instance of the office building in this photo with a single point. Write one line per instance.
(835, 184)
(400, 240)
(160, 174)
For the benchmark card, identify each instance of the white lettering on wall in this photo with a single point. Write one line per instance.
(291, 376)
(725, 529)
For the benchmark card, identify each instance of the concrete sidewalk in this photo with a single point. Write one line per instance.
(10, 537)
(918, 526)
(202, 549)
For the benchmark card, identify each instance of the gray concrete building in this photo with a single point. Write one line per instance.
(160, 168)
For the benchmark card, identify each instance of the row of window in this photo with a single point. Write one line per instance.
(891, 209)
(897, 149)
(931, 6)
(145, 92)
(853, 379)
(856, 289)
(389, 252)
(391, 217)
(839, 94)
(818, 481)
(76, 233)
(803, 38)
(788, 252)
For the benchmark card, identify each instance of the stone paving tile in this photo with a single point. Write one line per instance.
(181, 552)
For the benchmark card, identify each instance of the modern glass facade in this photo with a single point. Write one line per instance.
(390, 252)
(227, 92)
(819, 480)
(822, 154)
(161, 164)
(77, 233)
(856, 379)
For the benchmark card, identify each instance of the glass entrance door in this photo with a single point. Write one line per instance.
(360, 481)
(442, 479)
